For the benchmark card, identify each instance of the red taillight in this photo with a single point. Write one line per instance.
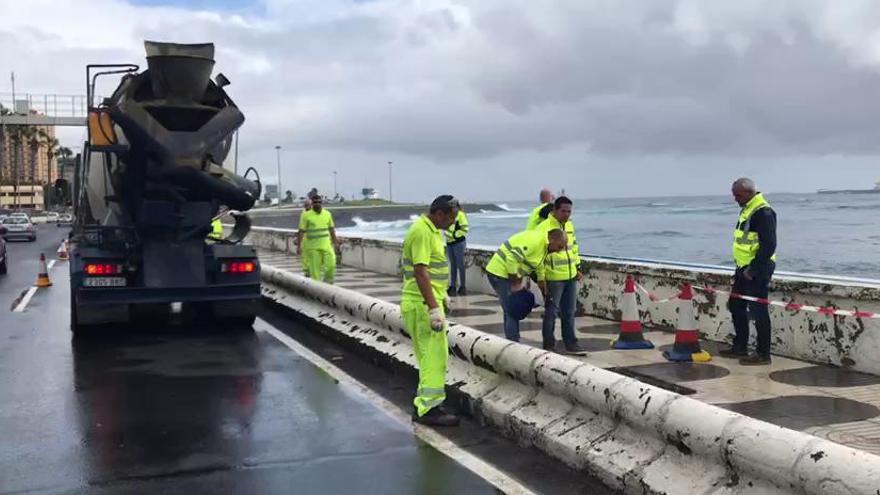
(103, 269)
(238, 267)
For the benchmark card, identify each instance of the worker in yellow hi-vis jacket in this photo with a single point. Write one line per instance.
(425, 274)
(316, 242)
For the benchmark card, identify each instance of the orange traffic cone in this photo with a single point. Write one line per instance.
(43, 276)
(631, 336)
(687, 337)
(63, 254)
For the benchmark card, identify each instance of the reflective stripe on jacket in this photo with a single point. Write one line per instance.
(520, 255)
(563, 265)
(457, 231)
(423, 245)
(745, 242)
(316, 229)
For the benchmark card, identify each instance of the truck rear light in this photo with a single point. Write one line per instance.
(103, 269)
(238, 267)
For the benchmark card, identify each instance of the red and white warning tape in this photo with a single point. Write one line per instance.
(653, 297)
(827, 311)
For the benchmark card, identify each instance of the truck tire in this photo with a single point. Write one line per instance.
(76, 329)
(3, 265)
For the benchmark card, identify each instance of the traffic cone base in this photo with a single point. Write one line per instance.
(631, 336)
(63, 254)
(43, 276)
(686, 348)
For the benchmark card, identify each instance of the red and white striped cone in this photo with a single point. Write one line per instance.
(687, 337)
(63, 254)
(43, 276)
(631, 336)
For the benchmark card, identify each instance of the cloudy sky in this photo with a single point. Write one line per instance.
(490, 99)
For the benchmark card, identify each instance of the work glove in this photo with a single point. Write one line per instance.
(438, 320)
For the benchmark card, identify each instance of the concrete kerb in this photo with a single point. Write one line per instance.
(634, 436)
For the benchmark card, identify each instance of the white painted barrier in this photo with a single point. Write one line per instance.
(635, 437)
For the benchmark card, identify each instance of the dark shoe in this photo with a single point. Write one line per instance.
(462, 291)
(549, 347)
(575, 349)
(755, 360)
(450, 291)
(733, 353)
(436, 417)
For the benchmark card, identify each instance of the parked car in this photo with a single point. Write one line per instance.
(52, 217)
(64, 219)
(39, 217)
(3, 255)
(21, 228)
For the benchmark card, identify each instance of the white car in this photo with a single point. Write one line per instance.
(39, 217)
(18, 227)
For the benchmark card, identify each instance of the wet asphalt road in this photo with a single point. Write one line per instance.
(185, 410)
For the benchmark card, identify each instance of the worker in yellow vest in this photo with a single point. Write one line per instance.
(542, 211)
(456, 245)
(316, 242)
(754, 251)
(425, 274)
(561, 276)
(521, 255)
(216, 230)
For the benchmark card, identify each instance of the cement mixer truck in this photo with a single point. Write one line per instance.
(151, 182)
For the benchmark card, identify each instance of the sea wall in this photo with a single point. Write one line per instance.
(344, 216)
(843, 341)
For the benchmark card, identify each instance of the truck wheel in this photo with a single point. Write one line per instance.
(3, 266)
(76, 328)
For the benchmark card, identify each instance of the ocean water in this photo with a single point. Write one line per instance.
(837, 234)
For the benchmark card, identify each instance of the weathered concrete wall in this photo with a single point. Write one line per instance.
(634, 437)
(842, 341)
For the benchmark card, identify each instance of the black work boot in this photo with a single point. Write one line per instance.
(436, 417)
(755, 360)
(549, 346)
(462, 291)
(733, 352)
(575, 349)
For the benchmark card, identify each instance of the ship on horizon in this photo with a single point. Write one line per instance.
(876, 190)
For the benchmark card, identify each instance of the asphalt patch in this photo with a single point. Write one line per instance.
(824, 376)
(800, 412)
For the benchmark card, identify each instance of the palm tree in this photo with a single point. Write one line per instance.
(34, 141)
(51, 144)
(17, 135)
(3, 133)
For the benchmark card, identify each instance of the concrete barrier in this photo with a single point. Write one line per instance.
(635, 437)
(841, 341)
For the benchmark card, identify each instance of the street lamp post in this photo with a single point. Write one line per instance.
(390, 190)
(278, 156)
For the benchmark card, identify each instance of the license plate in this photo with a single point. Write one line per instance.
(104, 282)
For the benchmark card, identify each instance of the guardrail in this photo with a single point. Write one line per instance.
(50, 105)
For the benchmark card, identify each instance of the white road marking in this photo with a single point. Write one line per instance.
(30, 292)
(25, 300)
(495, 477)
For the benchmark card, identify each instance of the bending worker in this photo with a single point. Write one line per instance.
(754, 250)
(520, 256)
(456, 245)
(542, 211)
(216, 230)
(561, 275)
(425, 274)
(316, 242)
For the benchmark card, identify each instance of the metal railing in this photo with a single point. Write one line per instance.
(51, 105)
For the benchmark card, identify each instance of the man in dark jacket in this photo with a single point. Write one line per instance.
(754, 251)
